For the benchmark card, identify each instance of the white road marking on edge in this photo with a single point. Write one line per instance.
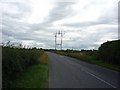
(100, 79)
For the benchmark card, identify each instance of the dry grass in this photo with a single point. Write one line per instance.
(43, 59)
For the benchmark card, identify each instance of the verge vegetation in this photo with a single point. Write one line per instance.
(107, 55)
(24, 67)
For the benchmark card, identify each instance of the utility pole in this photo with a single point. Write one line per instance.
(61, 35)
(55, 40)
(61, 40)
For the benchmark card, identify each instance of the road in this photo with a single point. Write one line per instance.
(67, 72)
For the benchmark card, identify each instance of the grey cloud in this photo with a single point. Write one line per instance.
(19, 8)
(110, 16)
(12, 22)
(82, 44)
(22, 6)
(15, 30)
(60, 11)
(91, 38)
(101, 20)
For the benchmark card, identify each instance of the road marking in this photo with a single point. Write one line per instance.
(100, 79)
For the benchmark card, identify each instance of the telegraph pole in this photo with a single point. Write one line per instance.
(61, 35)
(55, 40)
(61, 40)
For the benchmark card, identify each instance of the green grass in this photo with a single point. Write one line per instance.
(108, 65)
(35, 76)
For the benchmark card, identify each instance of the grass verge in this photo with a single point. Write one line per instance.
(92, 60)
(35, 76)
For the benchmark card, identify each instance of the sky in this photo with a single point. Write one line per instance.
(86, 23)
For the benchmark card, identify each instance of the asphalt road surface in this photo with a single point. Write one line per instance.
(66, 72)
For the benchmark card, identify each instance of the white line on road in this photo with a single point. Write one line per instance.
(100, 79)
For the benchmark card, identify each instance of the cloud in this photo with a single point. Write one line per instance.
(86, 24)
(60, 11)
(13, 17)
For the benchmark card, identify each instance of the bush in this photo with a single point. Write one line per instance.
(15, 61)
(109, 52)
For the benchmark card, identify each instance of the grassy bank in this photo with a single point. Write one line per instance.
(22, 67)
(90, 59)
(35, 76)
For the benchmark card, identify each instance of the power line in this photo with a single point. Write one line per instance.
(60, 33)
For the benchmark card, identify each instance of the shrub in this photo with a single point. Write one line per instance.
(15, 61)
(109, 52)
